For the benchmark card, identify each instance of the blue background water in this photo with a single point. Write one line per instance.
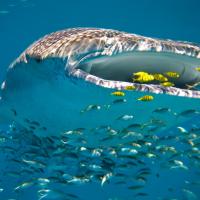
(22, 22)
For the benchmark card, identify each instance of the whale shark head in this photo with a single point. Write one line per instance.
(54, 79)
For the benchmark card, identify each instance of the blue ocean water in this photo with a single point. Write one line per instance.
(158, 172)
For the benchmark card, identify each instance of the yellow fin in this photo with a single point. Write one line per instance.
(172, 74)
(146, 98)
(130, 87)
(167, 84)
(118, 93)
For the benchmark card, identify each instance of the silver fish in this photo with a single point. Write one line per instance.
(125, 117)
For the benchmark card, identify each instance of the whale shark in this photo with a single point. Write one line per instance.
(53, 80)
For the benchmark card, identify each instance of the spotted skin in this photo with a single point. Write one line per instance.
(77, 44)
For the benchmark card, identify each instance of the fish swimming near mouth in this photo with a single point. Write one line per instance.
(65, 71)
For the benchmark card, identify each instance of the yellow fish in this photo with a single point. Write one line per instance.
(143, 77)
(167, 84)
(172, 74)
(118, 93)
(146, 98)
(130, 87)
(197, 69)
(140, 73)
(160, 77)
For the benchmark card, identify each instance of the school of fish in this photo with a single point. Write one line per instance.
(130, 158)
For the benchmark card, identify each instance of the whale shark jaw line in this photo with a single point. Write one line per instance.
(121, 67)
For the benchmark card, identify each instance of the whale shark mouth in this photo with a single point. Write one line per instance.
(121, 67)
